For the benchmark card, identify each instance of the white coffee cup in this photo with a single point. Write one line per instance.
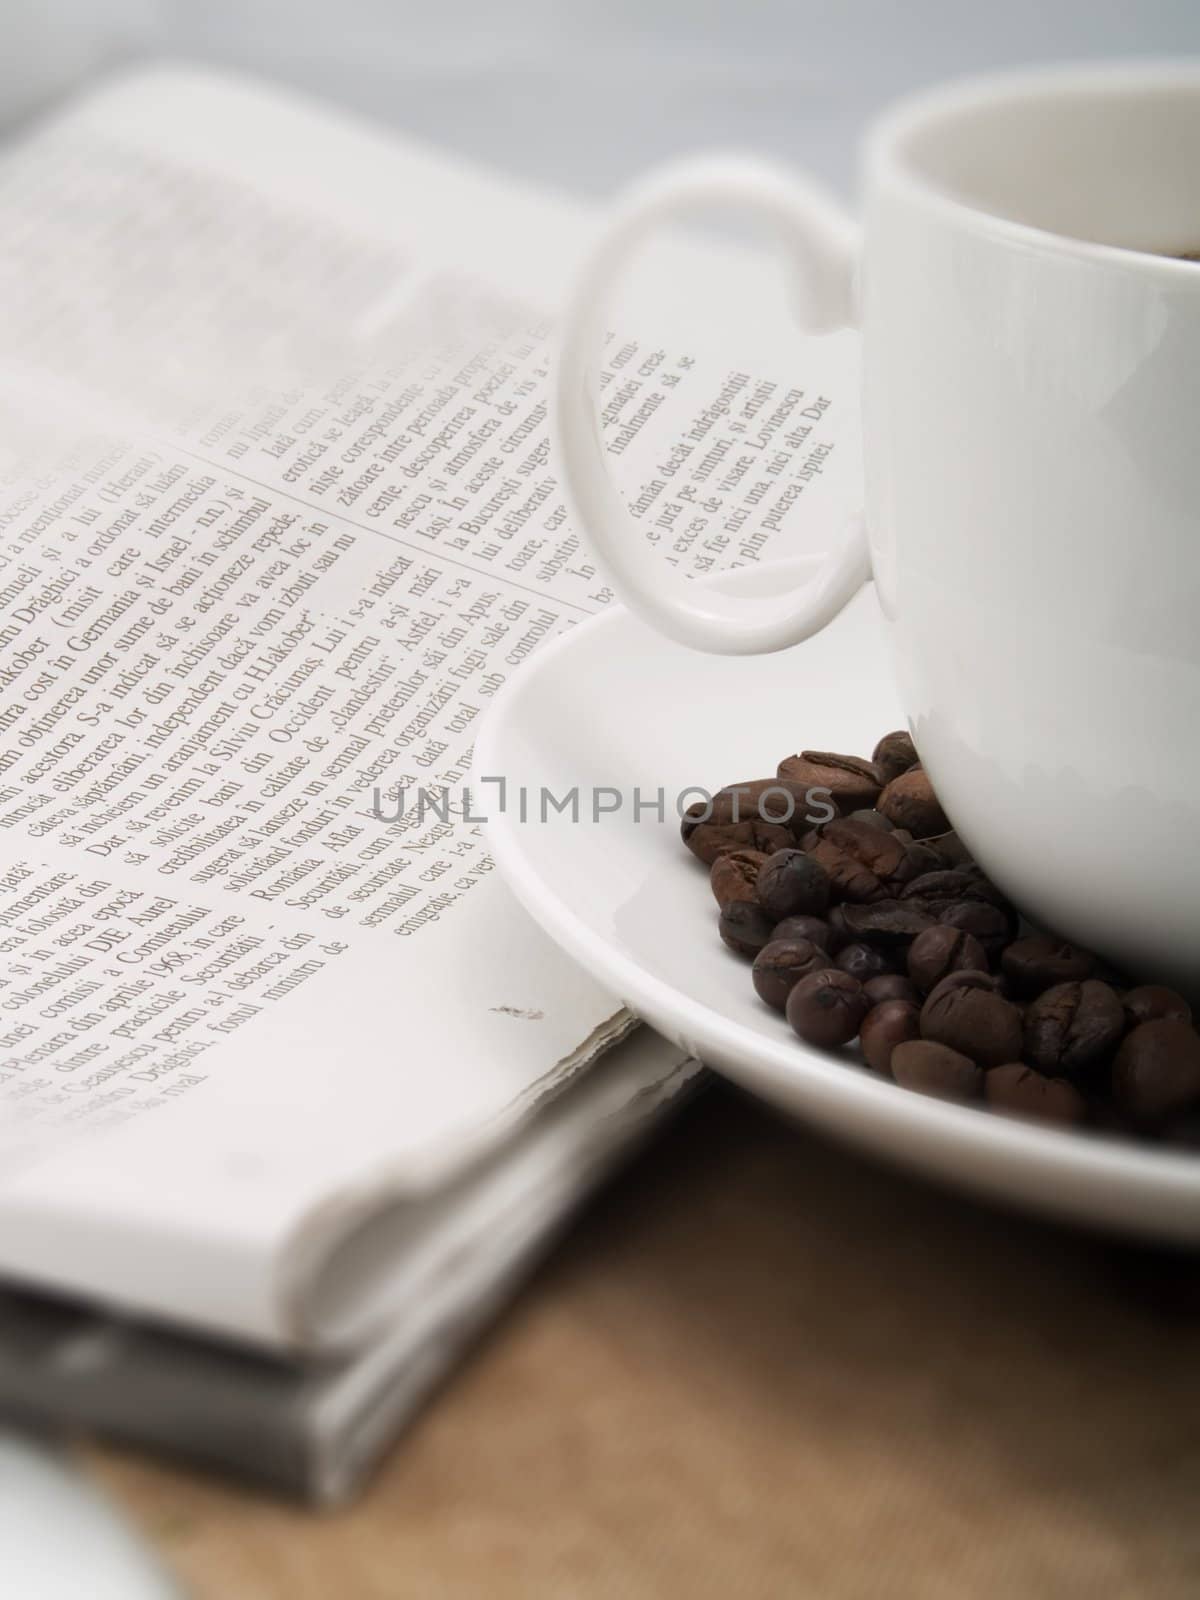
(1031, 416)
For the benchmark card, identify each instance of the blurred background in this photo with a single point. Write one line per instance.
(582, 94)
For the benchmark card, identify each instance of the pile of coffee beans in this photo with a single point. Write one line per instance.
(866, 919)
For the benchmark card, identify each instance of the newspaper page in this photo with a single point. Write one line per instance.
(257, 975)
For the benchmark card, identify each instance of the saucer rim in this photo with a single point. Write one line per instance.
(935, 1136)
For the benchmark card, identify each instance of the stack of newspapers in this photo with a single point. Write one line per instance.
(291, 1091)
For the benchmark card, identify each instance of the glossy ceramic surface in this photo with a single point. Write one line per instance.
(614, 706)
(1031, 416)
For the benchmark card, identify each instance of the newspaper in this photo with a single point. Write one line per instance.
(278, 518)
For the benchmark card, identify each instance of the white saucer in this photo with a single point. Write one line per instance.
(60, 1540)
(613, 706)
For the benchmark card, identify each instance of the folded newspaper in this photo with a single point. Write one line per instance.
(313, 1427)
(289, 1087)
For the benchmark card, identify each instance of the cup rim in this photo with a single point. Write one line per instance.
(888, 165)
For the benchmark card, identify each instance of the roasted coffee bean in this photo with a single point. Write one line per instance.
(932, 1068)
(1156, 1074)
(863, 863)
(745, 927)
(894, 754)
(814, 928)
(733, 877)
(839, 933)
(708, 840)
(920, 857)
(873, 819)
(827, 1008)
(737, 802)
(1022, 1092)
(829, 910)
(1151, 1002)
(909, 802)
(851, 782)
(948, 886)
(1037, 962)
(990, 925)
(834, 759)
(886, 1025)
(1072, 1027)
(761, 800)
(779, 966)
(862, 961)
(971, 978)
(941, 950)
(891, 986)
(975, 1022)
(756, 800)
(885, 922)
(950, 849)
(703, 814)
(792, 884)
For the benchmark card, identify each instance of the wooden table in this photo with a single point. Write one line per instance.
(763, 1367)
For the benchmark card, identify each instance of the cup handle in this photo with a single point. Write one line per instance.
(823, 241)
